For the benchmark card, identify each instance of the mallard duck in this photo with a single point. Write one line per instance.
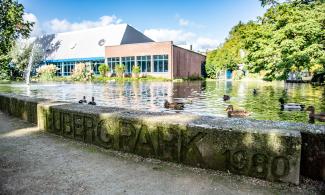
(291, 106)
(236, 113)
(312, 115)
(174, 105)
(92, 102)
(226, 97)
(254, 91)
(188, 101)
(83, 101)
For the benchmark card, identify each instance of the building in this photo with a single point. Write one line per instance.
(88, 46)
(158, 59)
(119, 44)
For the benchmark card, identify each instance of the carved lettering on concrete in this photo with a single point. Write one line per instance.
(78, 127)
(169, 144)
(243, 152)
(259, 164)
(67, 125)
(89, 126)
(106, 129)
(49, 120)
(128, 135)
(57, 128)
(147, 142)
(190, 152)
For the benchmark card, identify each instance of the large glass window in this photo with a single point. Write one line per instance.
(68, 68)
(128, 62)
(112, 62)
(160, 63)
(145, 63)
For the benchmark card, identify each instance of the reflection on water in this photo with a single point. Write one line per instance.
(205, 98)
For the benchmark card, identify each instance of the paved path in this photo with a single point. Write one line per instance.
(35, 162)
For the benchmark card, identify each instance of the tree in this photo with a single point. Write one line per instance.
(12, 26)
(230, 53)
(289, 35)
(20, 54)
(276, 2)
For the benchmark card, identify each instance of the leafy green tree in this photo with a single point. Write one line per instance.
(20, 54)
(231, 52)
(12, 26)
(289, 35)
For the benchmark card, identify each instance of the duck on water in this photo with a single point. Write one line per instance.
(291, 106)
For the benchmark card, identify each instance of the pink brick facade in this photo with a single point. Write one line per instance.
(181, 62)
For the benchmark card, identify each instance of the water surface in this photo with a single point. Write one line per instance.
(202, 97)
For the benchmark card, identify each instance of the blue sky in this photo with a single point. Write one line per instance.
(203, 23)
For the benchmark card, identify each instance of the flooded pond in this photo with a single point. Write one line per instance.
(202, 97)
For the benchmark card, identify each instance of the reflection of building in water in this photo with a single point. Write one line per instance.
(186, 89)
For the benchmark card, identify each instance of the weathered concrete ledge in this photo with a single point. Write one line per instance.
(262, 149)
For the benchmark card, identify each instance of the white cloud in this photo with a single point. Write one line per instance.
(183, 22)
(57, 25)
(37, 30)
(205, 43)
(180, 37)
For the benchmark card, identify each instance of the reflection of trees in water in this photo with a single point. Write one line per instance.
(322, 101)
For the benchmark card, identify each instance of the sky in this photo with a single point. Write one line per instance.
(201, 23)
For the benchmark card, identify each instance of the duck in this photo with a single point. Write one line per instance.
(83, 101)
(254, 91)
(226, 97)
(92, 102)
(291, 106)
(188, 101)
(174, 105)
(236, 113)
(312, 115)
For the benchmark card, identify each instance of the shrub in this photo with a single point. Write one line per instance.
(82, 72)
(103, 69)
(136, 69)
(47, 72)
(119, 69)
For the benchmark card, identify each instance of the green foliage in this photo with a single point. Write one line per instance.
(103, 69)
(277, 2)
(136, 69)
(46, 72)
(20, 55)
(229, 54)
(119, 69)
(288, 35)
(12, 26)
(82, 72)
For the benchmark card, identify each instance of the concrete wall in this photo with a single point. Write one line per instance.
(264, 149)
(186, 63)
